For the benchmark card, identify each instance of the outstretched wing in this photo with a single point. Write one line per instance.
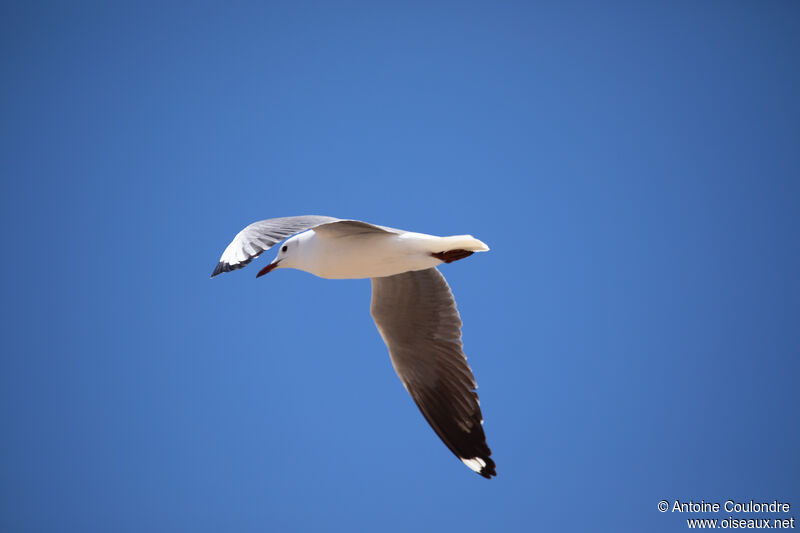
(346, 228)
(417, 317)
(261, 236)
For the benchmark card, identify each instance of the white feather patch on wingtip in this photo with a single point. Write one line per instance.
(476, 464)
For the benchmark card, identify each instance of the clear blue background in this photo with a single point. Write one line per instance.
(635, 330)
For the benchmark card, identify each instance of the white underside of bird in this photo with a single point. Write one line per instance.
(368, 255)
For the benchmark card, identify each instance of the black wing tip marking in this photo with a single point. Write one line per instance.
(488, 471)
(222, 266)
(467, 443)
(488, 468)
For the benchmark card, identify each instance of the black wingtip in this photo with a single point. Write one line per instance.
(220, 268)
(488, 471)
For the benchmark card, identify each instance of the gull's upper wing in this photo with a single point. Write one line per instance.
(417, 317)
(262, 235)
(345, 228)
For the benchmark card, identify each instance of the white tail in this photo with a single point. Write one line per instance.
(462, 242)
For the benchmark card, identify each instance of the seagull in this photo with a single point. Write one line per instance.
(412, 306)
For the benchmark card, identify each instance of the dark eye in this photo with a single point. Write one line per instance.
(284, 248)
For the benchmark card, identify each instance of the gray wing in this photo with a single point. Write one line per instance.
(417, 317)
(342, 228)
(261, 236)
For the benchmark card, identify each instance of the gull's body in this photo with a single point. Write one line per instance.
(362, 255)
(412, 306)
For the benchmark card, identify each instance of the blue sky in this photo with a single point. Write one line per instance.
(634, 330)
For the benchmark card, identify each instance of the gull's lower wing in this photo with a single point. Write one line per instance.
(417, 317)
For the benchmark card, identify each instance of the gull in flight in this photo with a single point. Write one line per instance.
(412, 306)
